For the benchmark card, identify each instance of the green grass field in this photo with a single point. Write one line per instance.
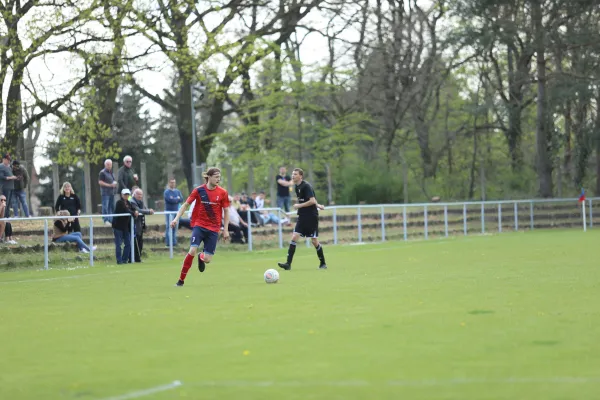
(511, 316)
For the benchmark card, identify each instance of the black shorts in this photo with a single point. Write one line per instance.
(307, 226)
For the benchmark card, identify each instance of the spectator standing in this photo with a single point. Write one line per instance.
(122, 227)
(20, 194)
(173, 199)
(140, 223)
(107, 183)
(7, 181)
(127, 177)
(68, 200)
(284, 182)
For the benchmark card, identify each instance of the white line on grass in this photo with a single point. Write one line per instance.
(146, 392)
(399, 383)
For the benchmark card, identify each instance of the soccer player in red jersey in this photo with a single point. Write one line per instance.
(212, 203)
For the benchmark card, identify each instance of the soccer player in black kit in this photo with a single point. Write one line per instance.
(307, 224)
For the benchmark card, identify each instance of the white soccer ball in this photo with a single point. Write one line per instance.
(271, 276)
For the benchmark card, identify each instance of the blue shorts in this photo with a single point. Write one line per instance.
(209, 238)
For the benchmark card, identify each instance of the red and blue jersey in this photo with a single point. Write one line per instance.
(208, 211)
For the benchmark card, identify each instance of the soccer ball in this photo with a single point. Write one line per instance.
(271, 276)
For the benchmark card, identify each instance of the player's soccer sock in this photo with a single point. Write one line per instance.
(291, 252)
(187, 264)
(201, 256)
(320, 254)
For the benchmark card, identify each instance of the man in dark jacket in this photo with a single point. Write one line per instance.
(20, 191)
(140, 222)
(127, 178)
(122, 227)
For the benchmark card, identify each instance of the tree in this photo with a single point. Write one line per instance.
(172, 27)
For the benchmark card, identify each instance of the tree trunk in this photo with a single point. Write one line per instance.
(544, 164)
(597, 142)
(184, 129)
(14, 112)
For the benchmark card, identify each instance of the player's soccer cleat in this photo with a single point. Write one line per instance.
(323, 266)
(285, 266)
(179, 283)
(201, 265)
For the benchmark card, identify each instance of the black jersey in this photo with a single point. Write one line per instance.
(304, 192)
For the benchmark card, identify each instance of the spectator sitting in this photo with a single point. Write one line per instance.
(5, 227)
(254, 216)
(236, 202)
(62, 227)
(270, 218)
(259, 200)
(237, 226)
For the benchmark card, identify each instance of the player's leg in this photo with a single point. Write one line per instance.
(315, 242)
(210, 246)
(189, 257)
(319, 248)
(291, 250)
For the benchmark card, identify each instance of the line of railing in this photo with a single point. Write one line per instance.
(334, 209)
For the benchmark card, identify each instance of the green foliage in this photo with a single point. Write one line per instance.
(371, 183)
(83, 137)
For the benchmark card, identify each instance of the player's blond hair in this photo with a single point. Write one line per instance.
(210, 172)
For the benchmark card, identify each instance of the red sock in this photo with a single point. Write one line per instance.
(187, 264)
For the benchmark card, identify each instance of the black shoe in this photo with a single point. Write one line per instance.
(201, 265)
(179, 283)
(285, 266)
(323, 266)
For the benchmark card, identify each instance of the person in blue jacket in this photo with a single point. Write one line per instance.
(173, 198)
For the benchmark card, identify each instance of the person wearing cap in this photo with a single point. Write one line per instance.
(20, 194)
(122, 227)
(7, 182)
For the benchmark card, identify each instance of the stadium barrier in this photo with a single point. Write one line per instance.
(382, 222)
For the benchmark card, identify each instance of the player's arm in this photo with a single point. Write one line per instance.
(283, 182)
(182, 209)
(308, 203)
(226, 223)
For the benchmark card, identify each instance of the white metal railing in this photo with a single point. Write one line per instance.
(424, 208)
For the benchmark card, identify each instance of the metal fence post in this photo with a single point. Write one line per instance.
(91, 242)
(425, 222)
(335, 238)
(280, 229)
(482, 217)
(170, 233)
(404, 223)
(516, 217)
(465, 219)
(382, 224)
(446, 220)
(500, 217)
(591, 215)
(359, 225)
(531, 215)
(249, 229)
(45, 244)
(132, 240)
